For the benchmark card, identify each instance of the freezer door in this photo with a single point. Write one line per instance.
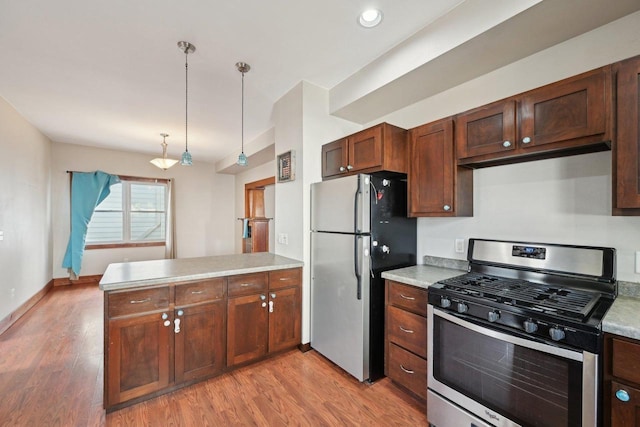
(341, 205)
(339, 318)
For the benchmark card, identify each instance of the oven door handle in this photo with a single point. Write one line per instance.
(488, 331)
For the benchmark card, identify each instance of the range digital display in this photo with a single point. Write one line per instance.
(529, 252)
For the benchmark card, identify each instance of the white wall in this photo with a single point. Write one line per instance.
(565, 200)
(257, 173)
(25, 210)
(204, 203)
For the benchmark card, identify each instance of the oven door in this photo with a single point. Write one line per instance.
(504, 379)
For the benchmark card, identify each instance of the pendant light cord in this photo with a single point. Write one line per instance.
(186, 98)
(242, 112)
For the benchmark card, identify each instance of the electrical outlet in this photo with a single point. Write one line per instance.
(459, 246)
(283, 239)
(13, 292)
(1, 235)
(638, 262)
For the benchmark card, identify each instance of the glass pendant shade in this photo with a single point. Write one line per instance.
(242, 160)
(163, 162)
(186, 159)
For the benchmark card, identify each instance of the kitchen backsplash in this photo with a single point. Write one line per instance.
(455, 264)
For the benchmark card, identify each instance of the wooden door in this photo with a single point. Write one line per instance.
(626, 153)
(431, 171)
(487, 130)
(285, 319)
(365, 149)
(247, 328)
(334, 158)
(138, 356)
(572, 109)
(625, 414)
(201, 342)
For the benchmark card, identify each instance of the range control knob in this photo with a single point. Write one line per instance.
(556, 333)
(462, 307)
(492, 316)
(530, 326)
(445, 302)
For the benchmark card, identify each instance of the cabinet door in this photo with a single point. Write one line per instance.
(625, 414)
(201, 341)
(626, 155)
(487, 130)
(247, 328)
(138, 356)
(334, 158)
(431, 171)
(572, 109)
(284, 319)
(365, 149)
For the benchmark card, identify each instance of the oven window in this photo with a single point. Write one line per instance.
(530, 387)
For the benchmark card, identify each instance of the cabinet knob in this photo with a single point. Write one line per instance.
(272, 295)
(167, 322)
(165, 316)
(349, 167)
(180, 312)
(264, 304)
(263, 297)
(506, 144)
(446, 208)
(526, 140)
(622, 395)
(342, 169)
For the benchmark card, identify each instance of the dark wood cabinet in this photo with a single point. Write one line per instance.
(626, 155)
(161, 338)
(572, 116)
(381, 147)
(436, 185)
(621, 381)
(264, 320)
(406, 336)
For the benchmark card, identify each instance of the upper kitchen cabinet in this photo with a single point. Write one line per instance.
(572, 116)
(381, 147)
(436, 185)
(626, 153)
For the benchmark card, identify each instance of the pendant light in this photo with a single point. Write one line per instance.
(163, 162)
(187, 48)
(242, 158)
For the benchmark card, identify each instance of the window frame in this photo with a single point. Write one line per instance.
(127, 214)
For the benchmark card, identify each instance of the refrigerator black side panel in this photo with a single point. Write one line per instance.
(393, 233)
(376, 327)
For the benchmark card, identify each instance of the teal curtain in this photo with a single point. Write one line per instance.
(88, 189)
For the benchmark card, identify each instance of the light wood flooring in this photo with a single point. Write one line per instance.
(51, 374)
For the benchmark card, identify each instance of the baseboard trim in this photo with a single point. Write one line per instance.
(304, 347)
(20, 311)
(82, 280)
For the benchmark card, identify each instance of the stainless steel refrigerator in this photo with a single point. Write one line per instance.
(359, 228)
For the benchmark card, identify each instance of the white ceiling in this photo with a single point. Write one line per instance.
(110, 74)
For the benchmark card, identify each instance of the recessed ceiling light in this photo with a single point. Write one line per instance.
(370, 18)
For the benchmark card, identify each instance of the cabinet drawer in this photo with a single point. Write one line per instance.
(408, 330)
(626, 360)
(285, 278)
(408, 297)
(138, 301)
(245, 284)
(408, 370)
(201, 291)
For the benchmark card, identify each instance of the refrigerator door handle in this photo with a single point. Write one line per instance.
(355, 207)
(356, 265)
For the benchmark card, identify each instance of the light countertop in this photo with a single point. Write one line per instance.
(147, 273)
(421, 276)
(623, 317)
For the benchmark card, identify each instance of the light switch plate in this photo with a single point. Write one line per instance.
(638, 262)
(1, 235)
(459, 246)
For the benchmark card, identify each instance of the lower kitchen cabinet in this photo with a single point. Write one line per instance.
(406, 337)
(161, 338)
(622, 381)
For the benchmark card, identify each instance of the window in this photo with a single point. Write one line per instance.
(134, 214)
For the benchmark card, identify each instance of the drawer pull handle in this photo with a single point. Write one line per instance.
(285, 278)
(244, 285)
(408, 371)
(406, 297)
(622, 395)
(197, 292)
(409, 331)
(140, 301)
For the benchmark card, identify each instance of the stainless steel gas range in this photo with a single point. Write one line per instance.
(517, 341)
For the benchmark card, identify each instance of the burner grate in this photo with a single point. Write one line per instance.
(521, 293)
